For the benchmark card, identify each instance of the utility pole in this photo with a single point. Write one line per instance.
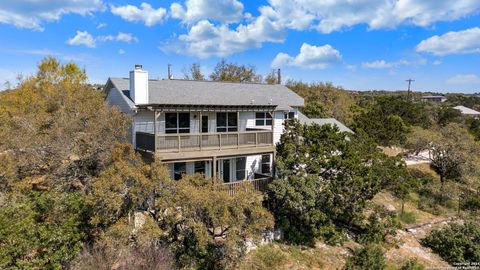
(408, 92)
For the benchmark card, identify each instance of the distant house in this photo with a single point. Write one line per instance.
(221, 129)
(467, 111)
(434, 98)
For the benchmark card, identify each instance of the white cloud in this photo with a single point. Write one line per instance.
(310, 57)
(121, 51)
(464, 79)
(101, 25)
(379, 64)
(462, 42)
(86, 39)
(437, 62)
(205, 39)
(196, 10)
(146, 14)
(126, 37)
(329, 16)
(82, 38)
(31, 14)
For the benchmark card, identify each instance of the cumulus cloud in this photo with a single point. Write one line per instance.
(464, 79)
(379, 64)
(146, 13)
(461, 42)
(31, 14)
(310, 57)
(329, 16)
(196, 10)
(205, 39)
(86, 39)
(82, 38)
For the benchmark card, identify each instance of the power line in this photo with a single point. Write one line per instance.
(409, 83)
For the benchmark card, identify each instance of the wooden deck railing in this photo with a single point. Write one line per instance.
(212, 141)
(259, 184)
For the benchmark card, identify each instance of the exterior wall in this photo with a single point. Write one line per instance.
(115, 98)
(252, 166)
(278, 127)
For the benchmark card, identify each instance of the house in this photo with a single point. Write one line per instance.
(434, 98)
(467, 111)
(221, 129)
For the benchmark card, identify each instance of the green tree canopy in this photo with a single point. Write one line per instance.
(326, 179)
(233, 72)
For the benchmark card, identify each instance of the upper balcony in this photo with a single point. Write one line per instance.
(180, 143)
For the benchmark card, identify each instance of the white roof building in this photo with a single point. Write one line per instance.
(467, 111)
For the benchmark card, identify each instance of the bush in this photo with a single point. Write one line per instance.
(412, 264)
(369, 257)
(456, 243)
(264, 258)
(407, 217)
(381, 224)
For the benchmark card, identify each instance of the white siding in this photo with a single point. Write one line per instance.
(116, 98)
(143, 121)
(278, 127)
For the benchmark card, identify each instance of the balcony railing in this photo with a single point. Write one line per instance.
(260, 183)
(212, 141)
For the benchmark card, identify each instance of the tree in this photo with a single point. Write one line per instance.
(233, 72)
(205, 226)
(314, 109)
(67, 130)
(193, 73)
(387, 130)
(369, 257)
(325, 181)
(272, 78)
(463, 242)
(337, 102)
(44, 230)
(452, 151)
(446, 115)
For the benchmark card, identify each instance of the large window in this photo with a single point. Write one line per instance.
(263, 119)
(266, 168)
(241, 163)
(227, 122)
(177, 122)
(179, 169)
(199, 167)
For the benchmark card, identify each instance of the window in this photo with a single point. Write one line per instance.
(227, 122)
(241, 163)
(204, 123)
(289, 115)
(179, 169)
(266, 169)
(177, 122)
(199, 167)
(263, 119)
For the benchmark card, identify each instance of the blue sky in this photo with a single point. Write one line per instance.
(357, 44)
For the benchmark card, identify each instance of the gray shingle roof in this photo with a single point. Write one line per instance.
(322, 121)
(187, 92)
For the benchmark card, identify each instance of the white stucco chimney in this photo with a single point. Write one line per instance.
(139, 85)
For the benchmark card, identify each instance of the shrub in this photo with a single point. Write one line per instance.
(463, 242)
(369, 257)
(381, 224)
(407, 217)
(412, 264)
(264, 258)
